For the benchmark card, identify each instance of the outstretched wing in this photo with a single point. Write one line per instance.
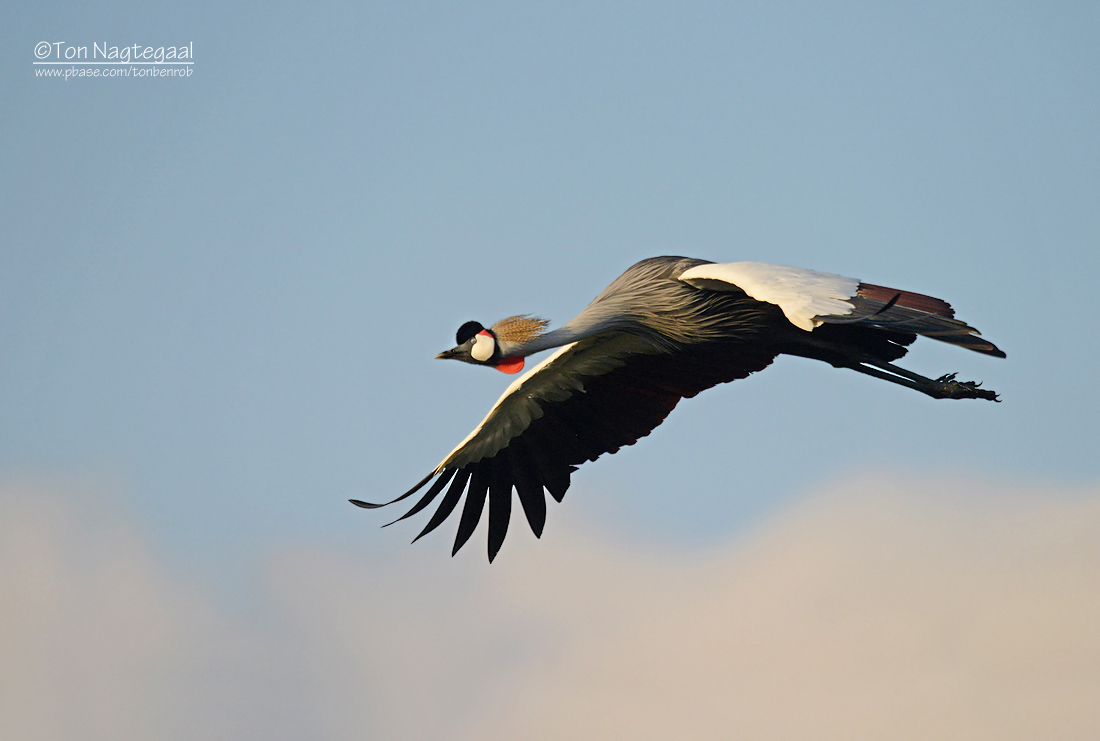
(591, 397)
(809, 299)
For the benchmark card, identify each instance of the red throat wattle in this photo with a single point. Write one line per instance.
(510, 365)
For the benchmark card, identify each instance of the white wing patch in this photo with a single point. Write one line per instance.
(802, 294)
(512, 388)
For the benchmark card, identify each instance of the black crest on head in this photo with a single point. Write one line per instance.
(466, 331)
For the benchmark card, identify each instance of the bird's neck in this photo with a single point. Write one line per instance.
(555, 338)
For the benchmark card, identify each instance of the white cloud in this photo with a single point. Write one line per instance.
(931, 609)
(99, 640)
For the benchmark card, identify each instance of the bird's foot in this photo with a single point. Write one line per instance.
(947, 387)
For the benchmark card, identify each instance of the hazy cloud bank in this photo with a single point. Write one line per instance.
(939, 608)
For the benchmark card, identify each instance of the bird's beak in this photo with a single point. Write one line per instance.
(447, 354)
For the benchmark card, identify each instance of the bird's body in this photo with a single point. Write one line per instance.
(666, 329)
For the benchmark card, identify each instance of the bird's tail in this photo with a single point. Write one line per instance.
(908, 313)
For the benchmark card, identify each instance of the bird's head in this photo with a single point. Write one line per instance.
(480, 346)
(500, 346)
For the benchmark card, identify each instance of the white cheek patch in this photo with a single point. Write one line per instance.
(484, 347)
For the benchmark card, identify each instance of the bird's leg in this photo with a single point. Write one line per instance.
(944, 387)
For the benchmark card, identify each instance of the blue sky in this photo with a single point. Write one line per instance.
(220, 295)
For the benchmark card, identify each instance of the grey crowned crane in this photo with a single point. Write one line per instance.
(666, 329)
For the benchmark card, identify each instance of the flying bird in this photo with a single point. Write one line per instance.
(666, 329)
